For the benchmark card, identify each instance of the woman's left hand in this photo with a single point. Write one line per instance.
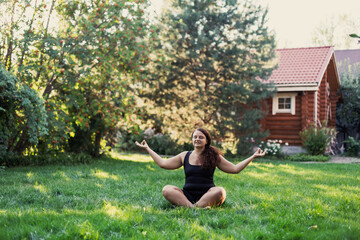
(259, 153)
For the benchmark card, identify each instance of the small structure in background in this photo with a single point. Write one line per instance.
(347, 61)
(307, 84)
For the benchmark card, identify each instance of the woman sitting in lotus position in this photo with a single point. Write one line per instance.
(199, 166)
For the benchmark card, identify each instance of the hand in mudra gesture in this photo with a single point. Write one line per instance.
(259, 153)
(143, 144)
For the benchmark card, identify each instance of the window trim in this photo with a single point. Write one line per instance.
(275, 103)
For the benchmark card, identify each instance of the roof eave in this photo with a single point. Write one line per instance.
(297, 87)
(325, 64)
(337, 76)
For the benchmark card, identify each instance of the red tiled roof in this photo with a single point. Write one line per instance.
(301, 65)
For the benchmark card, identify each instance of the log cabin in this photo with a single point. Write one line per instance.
(307, 86)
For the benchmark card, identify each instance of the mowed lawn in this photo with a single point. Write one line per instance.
(121, 198)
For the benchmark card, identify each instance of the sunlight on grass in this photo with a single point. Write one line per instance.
(317, 208)
(130, 213)
(263, 167)
(196, 228)
(150, 168)
(29, 175)
(61, 174)
(299, 172)
(121, 199)
(87, 231)
(263, 196)
(335, 191)
(40, 188)
(104, 175)
(70, 211)
(115, 212)
(132, 157)
(350, 188)
(257, 175)
(289, 169)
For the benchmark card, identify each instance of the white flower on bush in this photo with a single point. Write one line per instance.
(272, 147)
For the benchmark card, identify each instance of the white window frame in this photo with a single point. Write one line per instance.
(275, 103)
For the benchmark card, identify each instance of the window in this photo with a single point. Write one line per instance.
(284, 103)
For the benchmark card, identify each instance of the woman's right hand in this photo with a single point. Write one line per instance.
(143, 144)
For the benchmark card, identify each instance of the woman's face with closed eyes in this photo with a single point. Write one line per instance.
(199, 139)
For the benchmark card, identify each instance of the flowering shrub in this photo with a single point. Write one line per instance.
(272, 147)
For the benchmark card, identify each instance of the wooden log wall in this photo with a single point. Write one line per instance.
(327, 100)
(323, 101)
(284, 126)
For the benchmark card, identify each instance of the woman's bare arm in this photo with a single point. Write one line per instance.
(229, 167)
(171, 163)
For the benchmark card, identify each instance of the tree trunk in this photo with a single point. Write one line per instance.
(96, 152)
(22, 144)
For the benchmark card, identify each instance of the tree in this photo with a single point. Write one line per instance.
(22, 115)
(334, 31)
(85, 68)
(348, 111)
(207, 69)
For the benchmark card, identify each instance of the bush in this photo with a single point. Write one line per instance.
(272, 147)
(352, 148)
(12, 160)
(23, 118)
(162, 144)
(317, 139)
(307, 158)
(158, 142)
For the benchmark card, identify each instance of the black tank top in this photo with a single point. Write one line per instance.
(197, 179)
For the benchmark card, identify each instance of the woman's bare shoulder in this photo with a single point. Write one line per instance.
(182, 155)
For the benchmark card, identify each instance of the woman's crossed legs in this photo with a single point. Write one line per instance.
(214, 197)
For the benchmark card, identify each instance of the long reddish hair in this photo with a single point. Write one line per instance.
(210, 157)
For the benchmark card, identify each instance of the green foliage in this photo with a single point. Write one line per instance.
(45, 159)
(88, 67)
(23, 119)
(353, 147)
(301, 157)
(160, 143)
(164, 144)
(122, 199)
(353, 35)
(272, 147)
(348, 111)
(206, 72)
(317, 139)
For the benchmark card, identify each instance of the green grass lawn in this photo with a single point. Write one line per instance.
(121, 198)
